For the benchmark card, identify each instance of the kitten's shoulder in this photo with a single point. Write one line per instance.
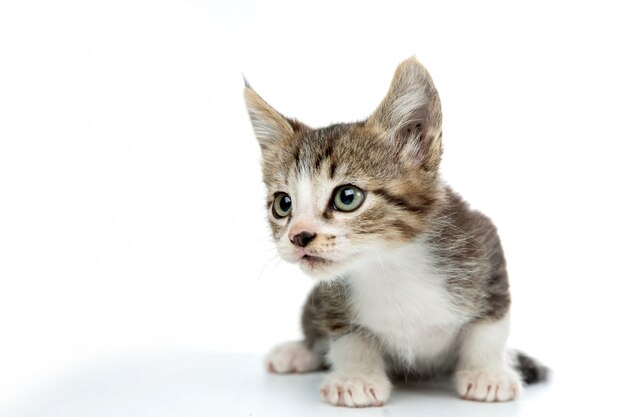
(468, 241)
(457, 217)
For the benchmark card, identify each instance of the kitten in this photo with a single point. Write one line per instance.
(411, 280)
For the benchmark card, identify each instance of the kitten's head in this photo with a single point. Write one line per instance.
(348, 191)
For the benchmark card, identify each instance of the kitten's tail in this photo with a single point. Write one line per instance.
(529, 368)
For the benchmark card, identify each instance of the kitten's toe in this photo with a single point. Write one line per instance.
(360, 390)
(290, 357)
(488, 385)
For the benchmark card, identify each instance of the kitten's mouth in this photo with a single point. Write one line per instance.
(314, 261)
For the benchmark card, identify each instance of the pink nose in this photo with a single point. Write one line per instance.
(302, 239)
(301, 234)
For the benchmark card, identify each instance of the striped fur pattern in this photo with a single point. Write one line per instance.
(413, 275)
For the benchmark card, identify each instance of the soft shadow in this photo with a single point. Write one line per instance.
(189, 384)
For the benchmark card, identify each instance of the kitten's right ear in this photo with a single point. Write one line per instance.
(269, 126)
(410, 114)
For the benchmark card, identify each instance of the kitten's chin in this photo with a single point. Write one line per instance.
(319, 268)
(322, 268)
(326, 269)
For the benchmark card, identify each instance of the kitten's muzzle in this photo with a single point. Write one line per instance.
(302, 239)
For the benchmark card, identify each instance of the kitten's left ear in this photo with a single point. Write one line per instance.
(270, 127)
(410, 114)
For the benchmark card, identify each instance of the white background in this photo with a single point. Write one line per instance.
(131, 204)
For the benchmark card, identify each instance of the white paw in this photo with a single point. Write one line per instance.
(291, 357)
(488, 384)
(359, 390)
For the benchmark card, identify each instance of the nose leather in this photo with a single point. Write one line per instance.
(303, 238)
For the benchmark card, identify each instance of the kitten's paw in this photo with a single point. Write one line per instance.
(357, 390)
(488, 384)
(290, 357)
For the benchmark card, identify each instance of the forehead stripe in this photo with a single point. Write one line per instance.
(333, 168)
(296, 157)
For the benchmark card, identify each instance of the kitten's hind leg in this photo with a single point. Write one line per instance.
(292, 357)
(484, 372)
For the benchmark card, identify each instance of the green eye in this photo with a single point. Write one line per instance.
(348, 198)
(282, 205)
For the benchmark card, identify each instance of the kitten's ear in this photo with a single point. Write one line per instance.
(410, 114)
(269, 125)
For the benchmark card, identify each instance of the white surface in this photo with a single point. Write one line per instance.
(131, 204)
(195, 384)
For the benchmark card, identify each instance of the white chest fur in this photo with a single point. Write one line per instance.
(401, 297)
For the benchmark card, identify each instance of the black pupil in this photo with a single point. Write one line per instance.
(347, 196)
(285, 203)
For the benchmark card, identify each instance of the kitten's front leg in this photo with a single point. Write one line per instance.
(483, 373)
(358, 377)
